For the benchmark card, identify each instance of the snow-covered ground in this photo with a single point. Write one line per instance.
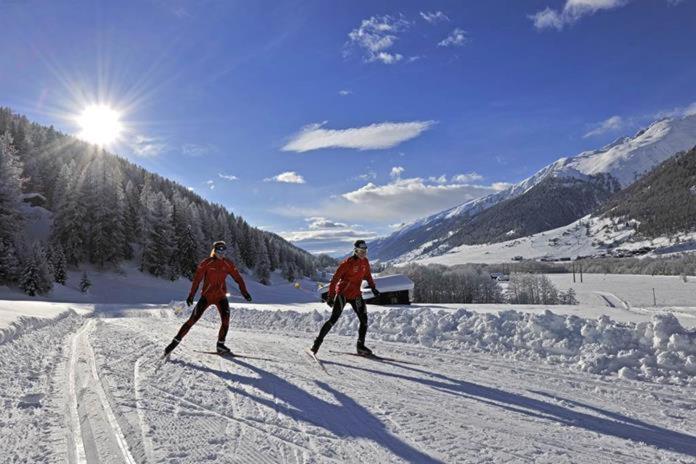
(466, 383)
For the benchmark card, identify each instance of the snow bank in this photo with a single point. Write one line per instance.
(23, 324)
(658, 350)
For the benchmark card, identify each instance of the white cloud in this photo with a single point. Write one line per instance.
(228, 177)
(195, 150)
(467, 178)
(345, 92)
(679, 111)
(318, 222)
(378, 34)
(369, 175)
(373, 137)
(498, 186)
(396, 171)
(573, 11)
(434, 17)
(210, 184)
(611, 124)
(327, 236)
(438, 180)
(456, 38)
(147, 146)
(289, 177)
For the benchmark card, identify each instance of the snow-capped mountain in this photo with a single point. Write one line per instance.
(624, 160)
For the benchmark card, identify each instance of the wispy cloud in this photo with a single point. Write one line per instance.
(467, 178)
(228, 177)
(396, 172)
(400, 200)
(456, 38)
(323, 235)
(288, 177)
(608, 125)
(373, 137)
(679, 111)
(434, 17)
(147, 147)
(572, 11)
(210, 184)
(376, 36)
(345, 92)
(196, 150)
(369, 175)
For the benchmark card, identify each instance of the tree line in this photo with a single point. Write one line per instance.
(106, 210)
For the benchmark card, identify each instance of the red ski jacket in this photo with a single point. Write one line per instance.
(349, 276)
(213, 272)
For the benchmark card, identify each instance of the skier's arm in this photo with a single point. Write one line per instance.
(200, 272)
(370, 280)
(336, 278)
(234, 273)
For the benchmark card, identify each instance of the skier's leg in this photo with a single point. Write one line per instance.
(360, 309)
(223, 307)
(196, 314)
(336, 311)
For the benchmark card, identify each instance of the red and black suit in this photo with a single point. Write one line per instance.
(345, 287)
(213, 271)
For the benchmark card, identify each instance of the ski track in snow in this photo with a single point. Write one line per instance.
(101, 377)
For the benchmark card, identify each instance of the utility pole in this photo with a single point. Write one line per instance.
(654, 299)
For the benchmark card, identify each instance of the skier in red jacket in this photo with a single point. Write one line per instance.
(212, 271)
(345, 288)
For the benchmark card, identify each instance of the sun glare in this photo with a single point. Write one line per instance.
(100, 125)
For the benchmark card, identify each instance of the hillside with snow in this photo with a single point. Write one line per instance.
(623, 161)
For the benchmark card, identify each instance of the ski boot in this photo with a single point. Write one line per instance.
(222, 349)
(363, 350)
(315, 347)
(171, 346)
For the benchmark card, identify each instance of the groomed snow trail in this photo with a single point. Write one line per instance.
(94, 391)
(279, 406)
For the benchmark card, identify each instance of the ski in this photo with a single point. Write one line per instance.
(231, 355)
(318, 361)
(375, 357)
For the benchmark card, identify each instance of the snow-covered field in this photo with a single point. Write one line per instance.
(466, 383)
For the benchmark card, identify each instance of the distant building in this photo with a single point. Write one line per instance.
(394, 289)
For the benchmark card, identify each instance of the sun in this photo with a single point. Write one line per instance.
(100, 125)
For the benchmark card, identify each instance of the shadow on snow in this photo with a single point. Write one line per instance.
(612, 424)
(345, 419)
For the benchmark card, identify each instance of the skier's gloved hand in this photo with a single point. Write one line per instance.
(375, 292)
(330, 301)
(189, 300)
(246, 296)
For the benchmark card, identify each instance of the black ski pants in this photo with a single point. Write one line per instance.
(360, 309)
(223, 307)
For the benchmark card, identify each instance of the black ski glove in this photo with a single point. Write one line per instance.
(375, 292)
(189, 300)
(330, 301)
(246, 296)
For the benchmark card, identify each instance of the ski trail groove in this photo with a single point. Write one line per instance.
(75, 436)
(137, 388)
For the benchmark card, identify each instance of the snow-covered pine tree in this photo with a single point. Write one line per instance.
(35, 277)
(60, 274)
(263, 267)
(159, 237)
(10, 217)
(85, 283)
(69, 219)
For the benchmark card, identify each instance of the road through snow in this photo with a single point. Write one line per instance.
(121, 405)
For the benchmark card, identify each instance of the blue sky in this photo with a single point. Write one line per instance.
(327, 121)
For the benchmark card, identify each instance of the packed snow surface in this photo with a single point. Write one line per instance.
(460, 386)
